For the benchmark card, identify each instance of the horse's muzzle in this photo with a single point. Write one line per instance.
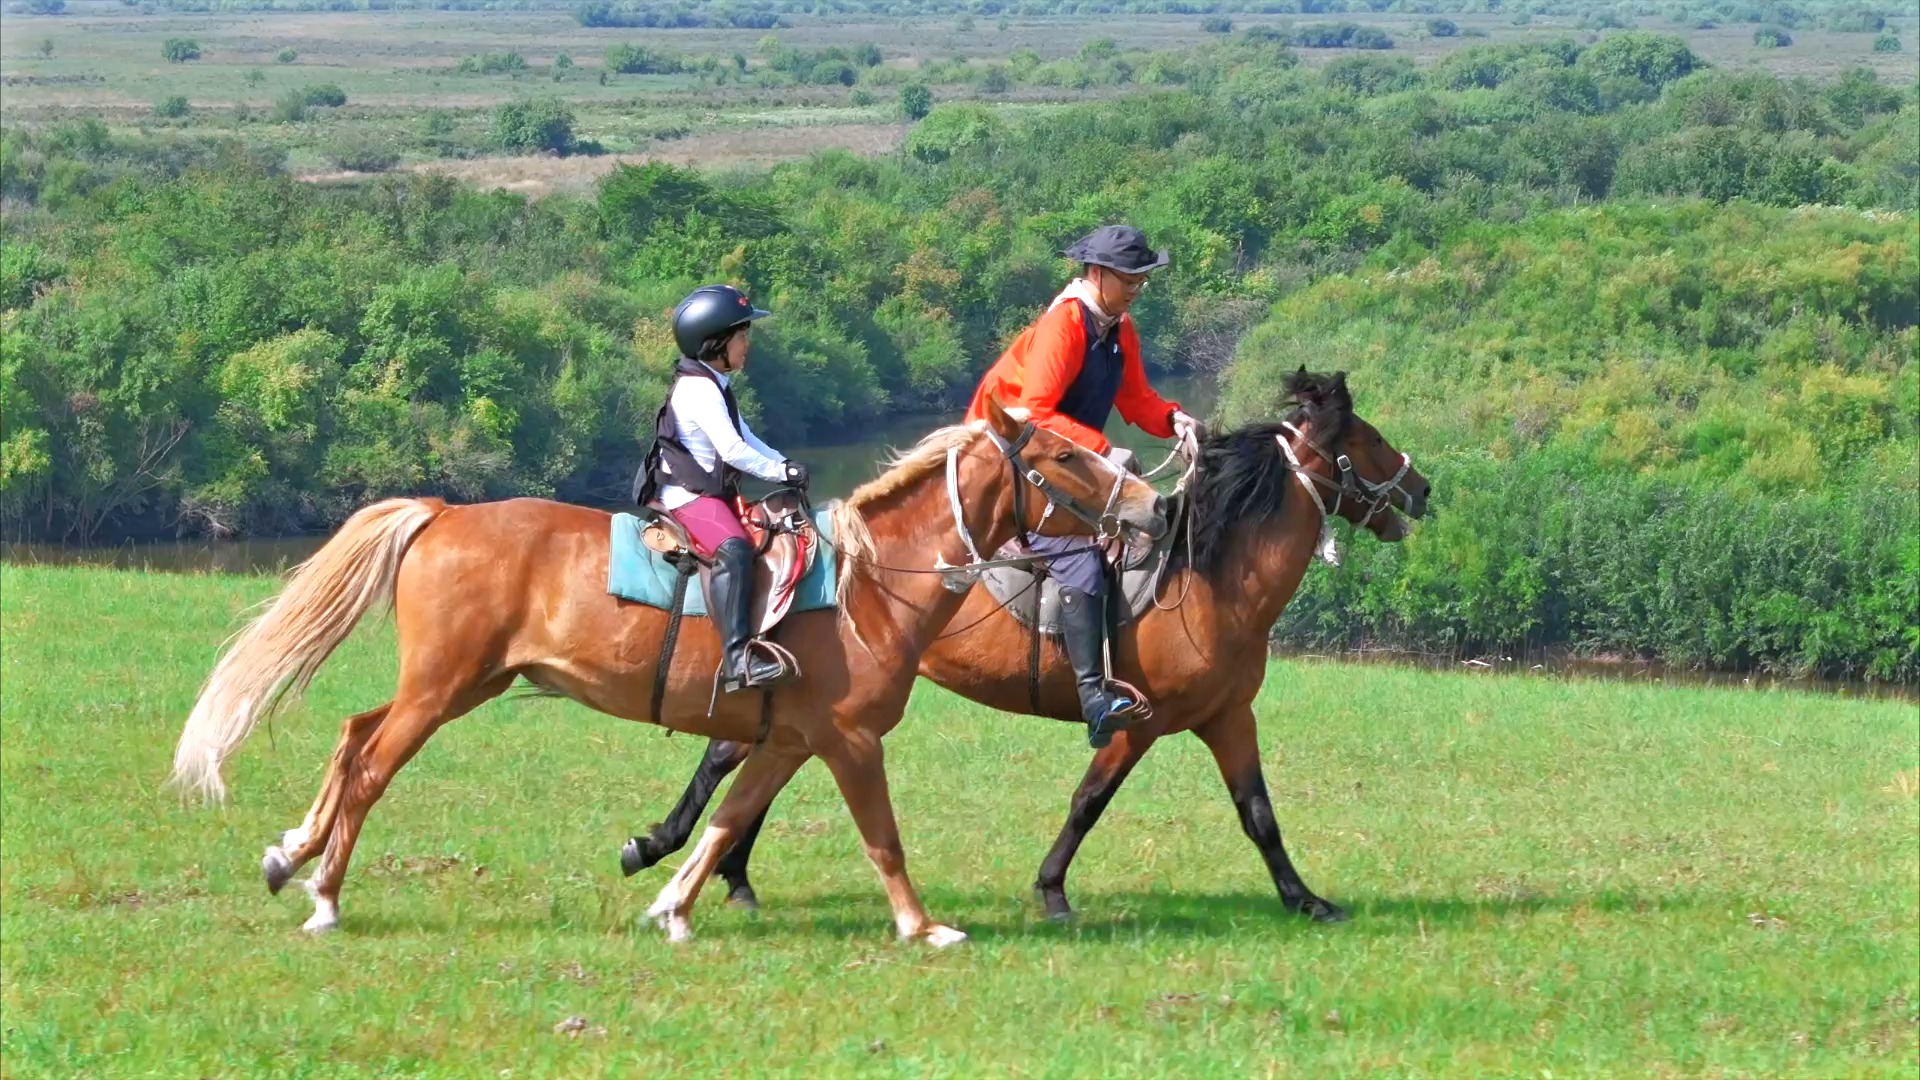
(1155, 527)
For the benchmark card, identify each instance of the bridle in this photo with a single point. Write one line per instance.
(1106, 522)
(1374, 496)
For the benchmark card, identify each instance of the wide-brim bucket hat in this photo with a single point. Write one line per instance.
(1118, 247)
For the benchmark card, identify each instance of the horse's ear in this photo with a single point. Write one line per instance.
(999, 421)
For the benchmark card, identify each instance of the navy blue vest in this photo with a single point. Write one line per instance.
(1090, 399)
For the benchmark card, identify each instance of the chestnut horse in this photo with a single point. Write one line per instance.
(486, 593)
(1255, 523)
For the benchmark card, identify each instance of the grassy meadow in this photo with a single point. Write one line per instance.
(1548, 878)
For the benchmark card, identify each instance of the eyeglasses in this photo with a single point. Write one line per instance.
(1130, 282)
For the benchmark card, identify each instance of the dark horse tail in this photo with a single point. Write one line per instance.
(274, 658)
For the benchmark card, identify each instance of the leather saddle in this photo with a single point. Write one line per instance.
(783, 539)
(1033, 597)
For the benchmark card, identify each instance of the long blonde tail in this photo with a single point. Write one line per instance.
(282, 649)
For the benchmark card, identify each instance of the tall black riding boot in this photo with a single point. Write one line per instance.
(1084, 623)
(730, 596)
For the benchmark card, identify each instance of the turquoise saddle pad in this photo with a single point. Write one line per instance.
(636, 572)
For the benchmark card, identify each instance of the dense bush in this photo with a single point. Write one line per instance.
(916, 101)
(500, 63)
(640, 60)
(1682, 432)
(531, 126)
(180, 50)
(172, 107)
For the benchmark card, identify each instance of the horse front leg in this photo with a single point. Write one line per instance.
(1105, 773)
(1235, 742)
(767, 771)
(859, 768)
(669, 836)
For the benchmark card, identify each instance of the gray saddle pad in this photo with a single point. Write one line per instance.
(1012, 586)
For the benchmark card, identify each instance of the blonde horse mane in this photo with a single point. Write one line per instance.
(904, 468)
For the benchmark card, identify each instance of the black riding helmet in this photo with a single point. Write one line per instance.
(708, 311)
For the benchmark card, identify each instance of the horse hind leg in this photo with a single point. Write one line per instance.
(669, 836)
(300, 844)
(412, 718)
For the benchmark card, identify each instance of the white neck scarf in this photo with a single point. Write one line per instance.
(1083, 290)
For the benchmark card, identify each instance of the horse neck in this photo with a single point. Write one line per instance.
(913, 527)
(1267, 563)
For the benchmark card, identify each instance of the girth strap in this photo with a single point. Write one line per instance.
(671, 638)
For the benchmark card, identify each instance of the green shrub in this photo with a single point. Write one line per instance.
(171, 107)
(323, 95)
(531, 126)
(180, 50)
(916, 101)
(640, 60)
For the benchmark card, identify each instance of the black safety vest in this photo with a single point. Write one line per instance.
(681, 469)
(1089, 399)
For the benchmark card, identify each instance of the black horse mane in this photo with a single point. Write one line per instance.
(1243, 478)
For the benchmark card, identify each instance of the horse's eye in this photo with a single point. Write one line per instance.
(1063, 456)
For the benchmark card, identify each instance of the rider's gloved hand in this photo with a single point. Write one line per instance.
(797, 475)
(1186, 427)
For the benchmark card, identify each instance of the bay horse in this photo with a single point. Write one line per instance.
(486, 593)
(1255, 523)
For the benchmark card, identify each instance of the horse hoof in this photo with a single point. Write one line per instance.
(1321, 911)
(277, 868)
(942, 936)
(1055, 903)
(744, 899)
(632, 858)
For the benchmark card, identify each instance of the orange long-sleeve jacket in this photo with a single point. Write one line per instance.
(1040, 369)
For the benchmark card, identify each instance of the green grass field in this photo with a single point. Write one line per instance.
(1548, 878)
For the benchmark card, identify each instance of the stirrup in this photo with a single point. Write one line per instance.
(788, 665)
(1129, 707)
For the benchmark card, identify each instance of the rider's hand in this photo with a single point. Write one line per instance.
(797, 475)
(1185, 426)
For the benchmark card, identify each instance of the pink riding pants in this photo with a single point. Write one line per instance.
(709, 522)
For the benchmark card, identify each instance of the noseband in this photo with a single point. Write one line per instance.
(1106, 522)
(1374, 496)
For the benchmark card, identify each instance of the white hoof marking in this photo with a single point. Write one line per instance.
(942, 936)
(326, 913)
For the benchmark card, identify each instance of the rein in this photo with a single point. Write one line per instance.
(1106, 524)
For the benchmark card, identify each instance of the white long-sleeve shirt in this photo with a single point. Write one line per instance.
(701, 425)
